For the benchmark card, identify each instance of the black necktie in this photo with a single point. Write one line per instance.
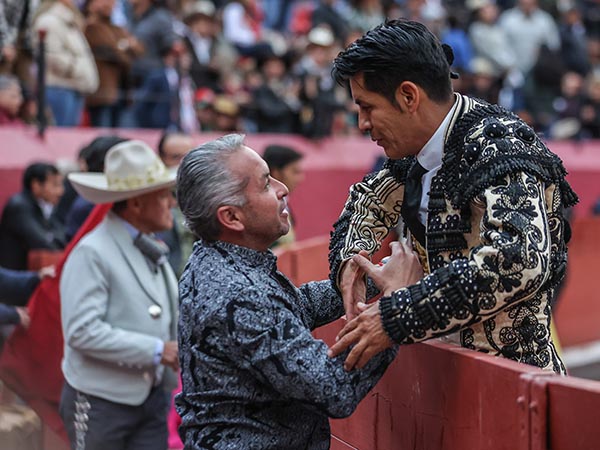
(413, 191)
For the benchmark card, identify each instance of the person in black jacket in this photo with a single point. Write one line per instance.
(28, 220)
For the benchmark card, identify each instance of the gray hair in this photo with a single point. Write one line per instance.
(205, 183)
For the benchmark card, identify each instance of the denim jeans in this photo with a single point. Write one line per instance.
(106, 116)
(66, 105)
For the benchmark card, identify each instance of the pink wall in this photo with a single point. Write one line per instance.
(332, 165)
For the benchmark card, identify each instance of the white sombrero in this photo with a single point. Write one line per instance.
(131, 168)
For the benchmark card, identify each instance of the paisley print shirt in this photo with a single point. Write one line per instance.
(495, 245)
(253, 376)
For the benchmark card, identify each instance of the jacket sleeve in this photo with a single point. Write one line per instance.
(371, 211)
(323, 304)
(9, 315)
(18, 218)
(84, 293)
(271, 342)
(510, 266)
(16, 286)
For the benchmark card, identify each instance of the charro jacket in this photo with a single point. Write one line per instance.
(106, 290)
(495, 238)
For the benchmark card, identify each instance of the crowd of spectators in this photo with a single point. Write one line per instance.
(264, 65)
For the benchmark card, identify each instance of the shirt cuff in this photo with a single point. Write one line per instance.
(158, 351)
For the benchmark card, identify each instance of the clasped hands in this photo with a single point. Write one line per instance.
(364, 329)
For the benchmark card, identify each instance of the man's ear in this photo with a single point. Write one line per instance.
(230, 217)
(408, 96)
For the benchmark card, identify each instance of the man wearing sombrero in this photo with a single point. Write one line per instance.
(119, 306)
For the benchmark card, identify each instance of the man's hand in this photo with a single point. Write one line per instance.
(402, 269)
(47, 272)
(24, 318)
(366, 333)
(353, 286)
(170, 355)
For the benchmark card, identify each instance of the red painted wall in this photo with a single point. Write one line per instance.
(332, 165)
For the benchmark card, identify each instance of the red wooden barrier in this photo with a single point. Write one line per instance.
(564, 413)
(577, 314)
(440, 396)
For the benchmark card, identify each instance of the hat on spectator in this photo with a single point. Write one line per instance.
(131, 168)
(474, 5)
(321, 36)
(204, 97)
(198, 9)
(226, 106)
(483, 67)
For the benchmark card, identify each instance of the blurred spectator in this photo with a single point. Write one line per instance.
(93, 155)
(275, 101)
(15, 38)
(152, 25)
(277, 14)
(11, 100)
(210, 55)
(593, 53)
(285, 165)
(528, 28)
(70, 68)
(205, 113)
(573, 40)
(364, 14)
(327, 14)
(484, 83)
(321, 98)
(158, 103)
(242, 27)
(114, 50)
(542, 86)
(454, 35)
(227, 114)
(590, 112)
(488, 38)
(69, 195)
(172, 147)
(28, 221)
(567, 108)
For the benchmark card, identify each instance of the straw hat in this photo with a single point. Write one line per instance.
(131, 168)
(321, 36)
(200, 8)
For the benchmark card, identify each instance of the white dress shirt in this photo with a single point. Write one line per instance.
(430, 157)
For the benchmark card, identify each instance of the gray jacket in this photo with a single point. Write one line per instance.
(106, 289)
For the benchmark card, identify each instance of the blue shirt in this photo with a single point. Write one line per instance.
(253, 375)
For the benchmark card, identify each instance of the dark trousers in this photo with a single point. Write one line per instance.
(93, 423)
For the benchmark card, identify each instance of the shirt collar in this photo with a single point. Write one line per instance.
(432, 152)
(46, 208)
(133, 231)
(245, 255)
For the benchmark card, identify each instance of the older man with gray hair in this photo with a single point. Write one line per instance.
(253, 375)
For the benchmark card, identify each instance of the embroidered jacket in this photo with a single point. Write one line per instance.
(253, 376)
(495, 238)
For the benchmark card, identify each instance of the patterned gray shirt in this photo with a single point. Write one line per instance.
(253, 375)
